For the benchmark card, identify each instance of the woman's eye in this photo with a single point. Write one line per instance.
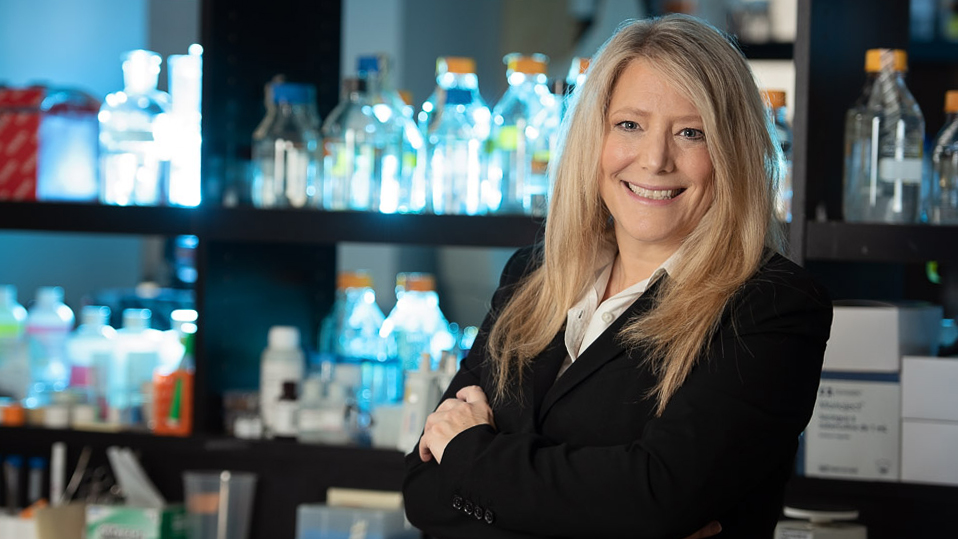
(628, 125)
(690, 133)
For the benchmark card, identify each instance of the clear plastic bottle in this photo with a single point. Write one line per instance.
(455, 122)
(49, 322)
(544, 142)
(884, 137)
(282, 361)
(285, 144)
(135, 129)
(776, 106)
(68, 146)
(351, 334)
(90, 348)
(416, 325)
(324, 413)
(944, 165)
(396, 140)
(137, 355)
(14, 367)
(349, 179)
(510, 186)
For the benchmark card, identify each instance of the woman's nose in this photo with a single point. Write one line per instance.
(655, 153)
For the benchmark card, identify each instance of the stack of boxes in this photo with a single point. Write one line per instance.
(929, 426)
(856, 428)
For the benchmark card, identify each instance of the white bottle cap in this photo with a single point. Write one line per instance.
(8, 294)
(94, 315)
(136, 318)
(283, 337)
(49, 295)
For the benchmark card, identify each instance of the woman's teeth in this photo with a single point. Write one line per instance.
(654, 194)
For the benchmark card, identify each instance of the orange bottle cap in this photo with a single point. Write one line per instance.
(530, 65)
(878, 59)
(417, 282)
(774, 98)
(455, 64)
(354, 279)
(13, 416)
(951, 101)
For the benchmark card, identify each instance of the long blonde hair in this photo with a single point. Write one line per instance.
(719, 255)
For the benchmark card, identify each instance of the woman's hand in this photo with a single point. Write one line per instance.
(468, 409)
(710, 529)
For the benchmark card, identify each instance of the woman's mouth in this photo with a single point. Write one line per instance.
(655, 194)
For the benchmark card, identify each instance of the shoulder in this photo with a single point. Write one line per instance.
(522, 263)
(778, 292)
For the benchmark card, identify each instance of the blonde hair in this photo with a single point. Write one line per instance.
(727, 246)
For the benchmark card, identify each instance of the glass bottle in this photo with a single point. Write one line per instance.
(776, 106)
(285, 149)
(944, 165)
(68, 146)
(49, 322)
(455, 122)
(351, 335)
(416, 325)
(510, 185)
(135, 130)
(349, 151)
(14, 367)
(90, 349)
(884, 136)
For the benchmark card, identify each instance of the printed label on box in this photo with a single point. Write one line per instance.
(855, 431)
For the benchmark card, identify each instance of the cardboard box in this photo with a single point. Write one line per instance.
(111, 521)
(19, 146)
(855, 430)
(929, 452)
(873, 336)
(929, 388)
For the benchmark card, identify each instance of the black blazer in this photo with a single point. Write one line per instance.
(584, 456)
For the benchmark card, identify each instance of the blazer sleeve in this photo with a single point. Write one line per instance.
(733, 422)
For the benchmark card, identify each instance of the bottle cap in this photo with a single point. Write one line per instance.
(8, 294)
(136, 318)
(530, 65)
(455, 64)
(49, 294)
(289, 391)
(367, 64)
(94, 315)
(283, 337)
(406, 96)
(417, 282)
(354, 279)
(293, 93)
(951, 101)
(879, 59)
(773, 98)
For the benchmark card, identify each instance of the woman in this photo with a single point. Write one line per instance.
(649, 369)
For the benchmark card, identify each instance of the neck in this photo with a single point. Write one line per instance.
(631, 267)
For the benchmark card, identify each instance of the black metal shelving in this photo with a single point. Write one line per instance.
(858, 242)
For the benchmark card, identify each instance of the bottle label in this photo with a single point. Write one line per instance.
(326, 419)
(904, 170)
(508, 138)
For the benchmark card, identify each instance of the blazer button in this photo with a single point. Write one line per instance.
(457, 502)
(489, 516)
(478, 512)
(467, 507)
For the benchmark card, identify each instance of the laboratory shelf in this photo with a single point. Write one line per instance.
(97, 218)
(851, 242)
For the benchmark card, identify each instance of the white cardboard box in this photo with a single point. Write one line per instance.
(929, 388)
(872, 336)
(929, 451)
(855, 429)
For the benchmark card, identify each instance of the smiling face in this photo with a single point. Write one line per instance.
(656, 173)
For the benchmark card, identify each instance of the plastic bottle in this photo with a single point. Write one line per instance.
(349, 151)
(137, 354)
(944, 165)
(135, 129)
(282, 361)
(68, 146)
(884, 136)
(513, 184)
(546, 125)
(455, 122)
(396, 140)
(90, 350)
(285, 144)
(416, 325)
(286, 410)
(14, 366)
(186, 90)
(776, 106)
(49, 322)
(323, 413)
(351, 334)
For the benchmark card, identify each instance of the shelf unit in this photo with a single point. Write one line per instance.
(256, 261)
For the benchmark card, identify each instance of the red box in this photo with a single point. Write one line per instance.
(19, 125)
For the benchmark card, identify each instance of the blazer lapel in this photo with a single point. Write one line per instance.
(605, 348)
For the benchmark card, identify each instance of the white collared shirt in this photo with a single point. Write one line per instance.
(588, 318)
